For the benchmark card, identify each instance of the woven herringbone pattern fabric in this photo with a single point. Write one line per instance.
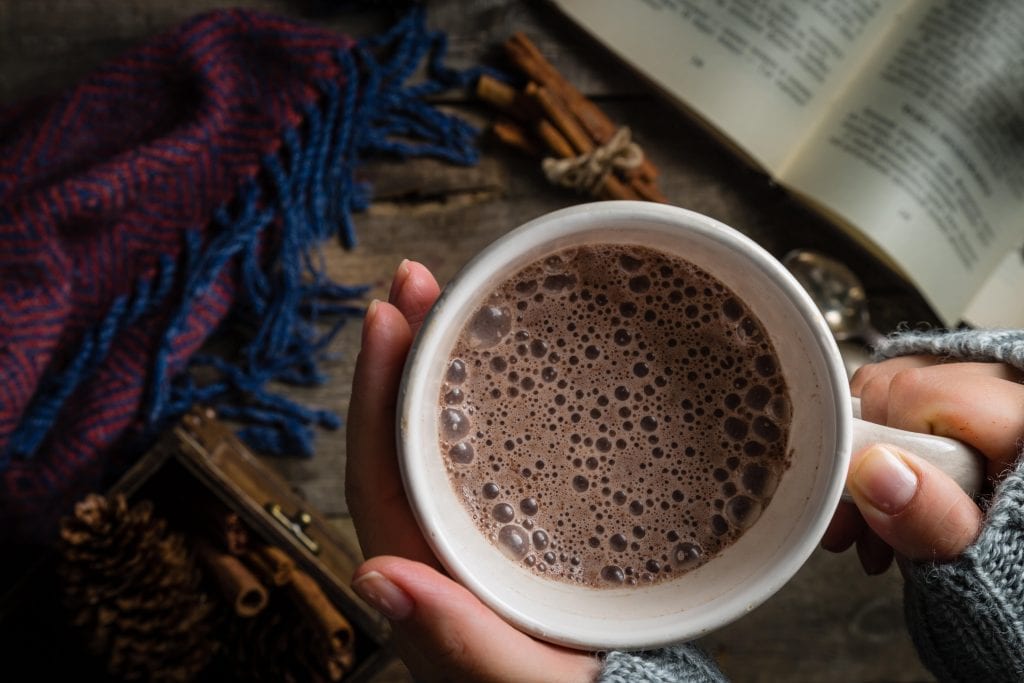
(181, 183)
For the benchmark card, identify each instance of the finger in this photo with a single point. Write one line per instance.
(875, 554)
(972, 402)
(876, 385)
(886, 369)
(445, 632)
(845, 528)
(413, 291)
(871, 384)
(373, 486)
(912, 505)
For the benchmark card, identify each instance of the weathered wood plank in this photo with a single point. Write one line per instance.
(38, 36)
(830, 623)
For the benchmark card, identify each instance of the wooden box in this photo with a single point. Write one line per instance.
(198, 458)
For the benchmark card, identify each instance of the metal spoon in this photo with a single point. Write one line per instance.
(839, 295)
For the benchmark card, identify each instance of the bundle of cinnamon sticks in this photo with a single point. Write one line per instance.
(550, 117)
(249, 572)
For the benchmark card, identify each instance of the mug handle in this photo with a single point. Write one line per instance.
(961, 462)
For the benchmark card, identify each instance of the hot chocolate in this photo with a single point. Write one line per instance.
(613, 415)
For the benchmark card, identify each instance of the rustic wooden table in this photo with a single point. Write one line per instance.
(831, 623)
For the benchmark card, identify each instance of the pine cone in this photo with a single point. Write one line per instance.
(133, 590)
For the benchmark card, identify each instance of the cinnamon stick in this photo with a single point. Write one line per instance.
(241, 589)
(506, 99)
(334, 630)
(554, 139)
(271, 564)
(525, 55)
(560, 117)
(647, 190)
(514, 135)
(614, 188)
(493, 91)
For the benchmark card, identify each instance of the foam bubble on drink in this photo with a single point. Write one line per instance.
(685, 556)
(456, 372)
(613, 416)
(489, 326)
(454, 423)
(503, 512)
(513, 541)
(461, 453)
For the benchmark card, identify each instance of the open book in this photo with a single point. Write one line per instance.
(903, 120)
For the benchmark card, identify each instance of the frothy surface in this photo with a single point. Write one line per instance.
(613, 415)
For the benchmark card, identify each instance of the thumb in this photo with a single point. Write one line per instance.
(443, 632)
(912, 505)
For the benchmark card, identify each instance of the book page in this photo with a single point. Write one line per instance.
(925, 152)
(999, 304)
(762, 73)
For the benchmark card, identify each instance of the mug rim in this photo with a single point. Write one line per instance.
(582, 219)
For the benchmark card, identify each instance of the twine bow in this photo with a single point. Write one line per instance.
(587, 172)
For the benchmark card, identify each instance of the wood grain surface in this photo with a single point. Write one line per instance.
(830, 623)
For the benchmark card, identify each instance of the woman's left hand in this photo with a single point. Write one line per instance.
(903, 504)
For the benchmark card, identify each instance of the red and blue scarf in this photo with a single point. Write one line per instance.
(182, 186)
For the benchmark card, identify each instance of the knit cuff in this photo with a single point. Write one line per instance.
(967, 616)
(677, 664)
(1006, 346)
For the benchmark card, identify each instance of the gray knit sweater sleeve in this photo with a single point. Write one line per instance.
(1006, 346)
(680, 664)
(967, 616)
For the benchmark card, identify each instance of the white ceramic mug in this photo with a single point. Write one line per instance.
(822, 434)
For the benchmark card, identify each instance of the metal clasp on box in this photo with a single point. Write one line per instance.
(296, 525)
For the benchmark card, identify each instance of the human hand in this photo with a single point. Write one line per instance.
(903, 503)
(442, 631)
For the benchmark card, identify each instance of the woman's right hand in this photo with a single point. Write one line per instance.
(441, 630)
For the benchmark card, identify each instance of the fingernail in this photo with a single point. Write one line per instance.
(371, 313)
(401, 275)
(383, 596)
(884, 480)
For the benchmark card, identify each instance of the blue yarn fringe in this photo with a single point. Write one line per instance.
(287, 307)
(57, 387)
